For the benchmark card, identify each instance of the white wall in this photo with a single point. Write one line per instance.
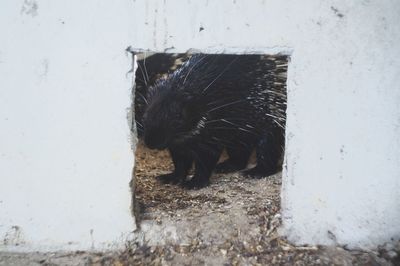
(65, 151)
(341, 179)
(65, 158)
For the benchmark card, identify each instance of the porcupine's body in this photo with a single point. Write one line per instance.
(214, 102)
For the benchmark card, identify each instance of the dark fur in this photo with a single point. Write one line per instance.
(214, 102)
(150, 68)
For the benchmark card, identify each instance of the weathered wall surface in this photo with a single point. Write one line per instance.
(65, 158)
(342, 175)
(65, 152)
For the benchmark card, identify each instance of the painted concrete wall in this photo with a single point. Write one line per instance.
(342, 165)
(65, 157)
(65, 151)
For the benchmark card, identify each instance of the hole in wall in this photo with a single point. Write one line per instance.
(202, 108)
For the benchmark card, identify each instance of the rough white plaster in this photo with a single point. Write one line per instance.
(341, 179)
(65, 159)
(65, 151)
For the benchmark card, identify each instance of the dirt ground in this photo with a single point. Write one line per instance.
(234, 221)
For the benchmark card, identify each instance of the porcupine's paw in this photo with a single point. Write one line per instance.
(170, 178)
(227, 167)
(258, 172)
(196, 183)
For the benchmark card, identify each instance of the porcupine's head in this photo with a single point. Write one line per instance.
(171, 113)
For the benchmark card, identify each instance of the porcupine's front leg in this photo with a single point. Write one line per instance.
(183, 161)
(269, 152)
(205, 159)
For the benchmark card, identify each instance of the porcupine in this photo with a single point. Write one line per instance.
(214, 102)
(150, 68)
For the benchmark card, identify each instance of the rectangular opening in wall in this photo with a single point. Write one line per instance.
(211, 130)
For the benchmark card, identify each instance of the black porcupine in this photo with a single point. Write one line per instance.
(211, 102)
